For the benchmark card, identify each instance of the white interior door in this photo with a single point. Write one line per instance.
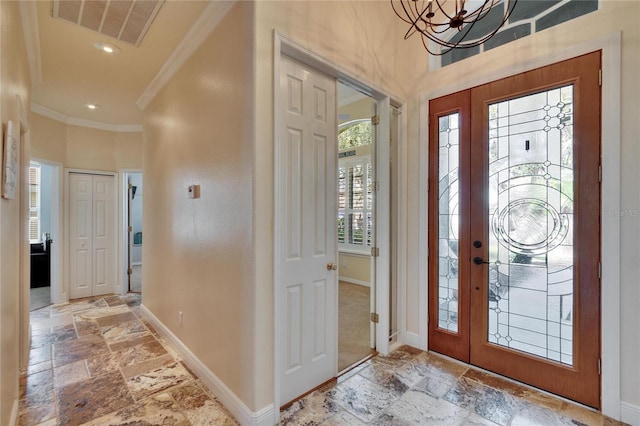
(91, 235)
(306, 247)
(81, 235)
(104, 230)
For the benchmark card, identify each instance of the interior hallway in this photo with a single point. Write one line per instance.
(96, 362)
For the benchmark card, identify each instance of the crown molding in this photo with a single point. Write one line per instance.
(55, 115)
(208, 21)
(29, 20)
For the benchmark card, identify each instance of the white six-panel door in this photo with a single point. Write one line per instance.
(306, 229)
(91, 235)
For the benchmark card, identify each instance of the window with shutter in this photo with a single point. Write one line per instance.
(34, 203)
(355, 186)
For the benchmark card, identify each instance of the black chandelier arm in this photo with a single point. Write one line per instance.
(408, 13)
(419, 17)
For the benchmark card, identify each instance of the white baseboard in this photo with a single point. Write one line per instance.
(13, 420)
(354, 281)
(413, 339)
(630, 413)
(242, 413)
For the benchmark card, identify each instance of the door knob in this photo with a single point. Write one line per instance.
(331, 266)
(478, 261)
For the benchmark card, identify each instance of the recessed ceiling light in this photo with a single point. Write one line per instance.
(107, 47)
(92, 106)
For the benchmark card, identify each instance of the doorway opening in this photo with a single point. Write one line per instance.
(356, 226)
(134, 231)
(306, 230)
(43, 224)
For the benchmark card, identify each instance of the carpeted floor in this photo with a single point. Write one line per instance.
(353, 324)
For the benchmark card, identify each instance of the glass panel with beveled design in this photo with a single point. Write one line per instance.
(531, 220)
(448, 229)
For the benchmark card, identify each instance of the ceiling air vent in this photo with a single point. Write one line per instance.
(126, 20)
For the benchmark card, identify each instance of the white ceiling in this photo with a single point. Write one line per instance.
(73, 72)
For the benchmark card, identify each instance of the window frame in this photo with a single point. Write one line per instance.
(37, 188)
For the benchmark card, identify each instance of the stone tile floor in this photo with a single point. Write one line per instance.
(412, 387)
(96, 362)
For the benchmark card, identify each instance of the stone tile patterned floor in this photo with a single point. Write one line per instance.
(96, 362)
(412, 387)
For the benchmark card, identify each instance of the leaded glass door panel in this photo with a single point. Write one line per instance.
(524, 222)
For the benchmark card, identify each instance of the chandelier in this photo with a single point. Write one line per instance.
(449, 23)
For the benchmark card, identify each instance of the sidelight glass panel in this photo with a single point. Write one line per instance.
(531, 219)
(448, 230)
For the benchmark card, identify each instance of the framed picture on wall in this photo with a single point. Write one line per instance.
(10, 163)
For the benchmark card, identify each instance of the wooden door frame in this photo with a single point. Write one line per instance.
(285, 46)
(454, 344)
(65, 290)
(610, 46)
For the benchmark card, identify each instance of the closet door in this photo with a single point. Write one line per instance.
(80, 235)
(104, 273)
(91, 235)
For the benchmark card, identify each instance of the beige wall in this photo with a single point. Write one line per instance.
(355, 268)
(199, 253)
(13, 82)
(84, 147)
(356, 110)
(128, 150)
(613, 16)
(48, 139)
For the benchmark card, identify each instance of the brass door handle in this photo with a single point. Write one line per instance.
(331, 266)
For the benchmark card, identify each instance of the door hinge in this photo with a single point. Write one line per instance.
(600, 77)
(130, 229)
(375, 251)
(375, 120)
(376, 185)
(599, 173)
(599, 366)
(599, 270)
(129, 271)
(375, 318)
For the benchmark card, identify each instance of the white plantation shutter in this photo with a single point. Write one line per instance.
(355, 203)
(34, 203)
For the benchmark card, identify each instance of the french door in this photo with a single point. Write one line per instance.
(514, 227)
